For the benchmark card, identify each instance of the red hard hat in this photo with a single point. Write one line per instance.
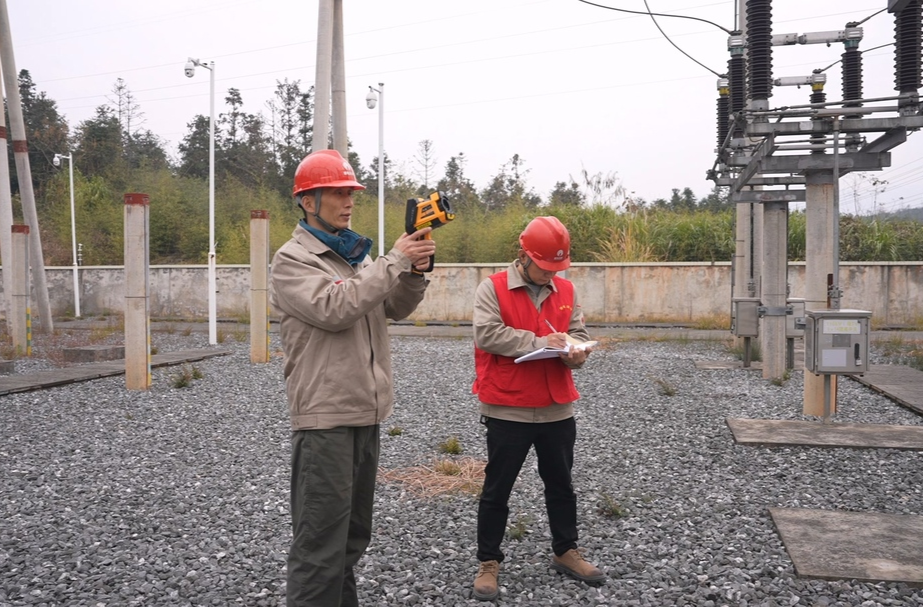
(546, 241)
(324, 169)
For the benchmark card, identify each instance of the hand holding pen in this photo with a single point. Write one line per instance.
(556, 339)
(574, 356)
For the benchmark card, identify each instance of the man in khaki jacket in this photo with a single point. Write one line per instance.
(334, 304)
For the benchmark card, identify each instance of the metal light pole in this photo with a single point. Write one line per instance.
(370, 100)
(212, 277)
(70, 164)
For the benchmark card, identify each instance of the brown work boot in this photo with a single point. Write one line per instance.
(571, 563)
(485, 584)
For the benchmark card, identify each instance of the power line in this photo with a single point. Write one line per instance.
(648, 12)
(654, 19)
(858, 23)
(493, 58)
(874, 48)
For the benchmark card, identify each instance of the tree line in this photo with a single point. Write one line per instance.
(255, 159)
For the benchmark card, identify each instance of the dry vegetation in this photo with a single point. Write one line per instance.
(444, 476)
(51, 346)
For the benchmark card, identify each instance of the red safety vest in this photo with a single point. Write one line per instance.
(537, 383)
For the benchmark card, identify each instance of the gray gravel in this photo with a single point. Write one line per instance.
(180, 496)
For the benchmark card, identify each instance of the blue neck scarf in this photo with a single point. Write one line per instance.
(347, 244)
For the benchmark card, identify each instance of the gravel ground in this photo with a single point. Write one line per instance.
(179, 496)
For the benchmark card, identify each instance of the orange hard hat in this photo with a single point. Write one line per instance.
(324, 169)
(547, 242)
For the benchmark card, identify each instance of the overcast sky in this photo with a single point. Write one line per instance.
(565, 85)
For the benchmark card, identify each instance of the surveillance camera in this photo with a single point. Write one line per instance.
(190, 69)
(56, 160)
(371, 99)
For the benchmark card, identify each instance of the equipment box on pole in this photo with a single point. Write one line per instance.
(745, 316)
(794, 322)
(836, 342)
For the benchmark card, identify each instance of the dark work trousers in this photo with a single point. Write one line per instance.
(333, 487)
(508, 444)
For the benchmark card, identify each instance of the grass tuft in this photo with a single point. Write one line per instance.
(450, 446)
(520, 528)
(756, 349)
(183, 378)
(664, 387)
(780, 381)
(611, 508)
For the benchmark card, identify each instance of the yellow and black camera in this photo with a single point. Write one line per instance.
(434, 212)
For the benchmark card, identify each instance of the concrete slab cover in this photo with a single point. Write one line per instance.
(89, 354)
(865, 546)
(67, 375)
(719, 365)
(776, 432)
(901, 383)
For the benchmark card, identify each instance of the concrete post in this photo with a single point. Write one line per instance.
(756, 249)
(338, 83)
(6, 217)
(21, 154)
(819, 248)
(743, 241)
(259, 286)
(773, 294)
(747, 257)
(741, 250)
(20, 319)
(323, 66)
(137, 310)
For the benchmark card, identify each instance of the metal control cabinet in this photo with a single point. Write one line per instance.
(836, 342)
(794, 322)
(745, 316)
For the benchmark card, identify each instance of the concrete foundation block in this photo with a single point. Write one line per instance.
(92, 354)
(7, 367)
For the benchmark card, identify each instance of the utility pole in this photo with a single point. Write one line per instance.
(23, 171)
(819, 248)
(338, 83)
(6, 219)
(323, 70)
(770, 225)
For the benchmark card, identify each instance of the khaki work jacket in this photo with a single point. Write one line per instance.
(334, 330)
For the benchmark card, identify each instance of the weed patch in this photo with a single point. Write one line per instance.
(450, 446)
(462, 475)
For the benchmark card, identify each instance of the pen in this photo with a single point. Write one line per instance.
(553, 330)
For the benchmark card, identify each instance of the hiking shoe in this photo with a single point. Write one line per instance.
(572, 563)
(485, 584)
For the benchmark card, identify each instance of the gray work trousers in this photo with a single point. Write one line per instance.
(333, 489)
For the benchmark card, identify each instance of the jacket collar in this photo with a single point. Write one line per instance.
(515, 280)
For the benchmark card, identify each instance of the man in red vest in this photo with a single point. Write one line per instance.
(524, 308)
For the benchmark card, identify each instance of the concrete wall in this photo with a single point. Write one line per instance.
(677, 292)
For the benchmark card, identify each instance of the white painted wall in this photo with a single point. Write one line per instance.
(677, 292)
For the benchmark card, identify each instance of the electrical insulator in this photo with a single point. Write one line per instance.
(723, 111)
(759, 48)
(818, 96)
(737, 88)
(852, 77)
(907, 40)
